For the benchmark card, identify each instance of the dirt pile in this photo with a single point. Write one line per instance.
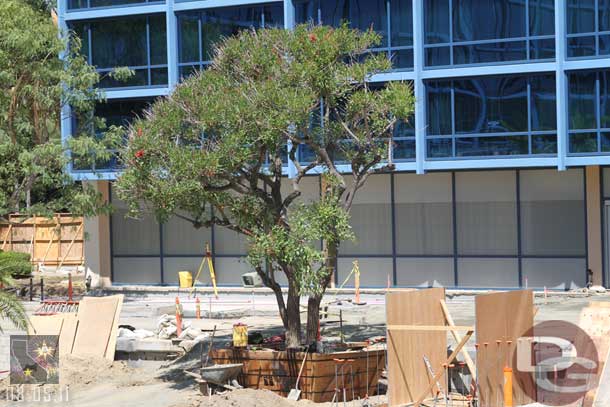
(79, 372)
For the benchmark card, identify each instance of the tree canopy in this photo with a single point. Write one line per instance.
(215, 151)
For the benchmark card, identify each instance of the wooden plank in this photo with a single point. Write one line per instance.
(406, 349)
(96, 318)
(428, 328)
(595, 322)
(503, 317)
(458, 338)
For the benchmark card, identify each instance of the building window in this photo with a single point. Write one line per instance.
(116, 113)
(588, 28)
(589, 112)
(392, 19)
(138, 43)
(80, 4)
(491, 116)
(464, 32)
(200, 31)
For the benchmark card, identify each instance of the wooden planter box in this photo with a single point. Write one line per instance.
(277, 371)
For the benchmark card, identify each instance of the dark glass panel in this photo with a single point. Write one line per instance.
(437, 56)
(121, 113)
(544, 110)
(491, 105)
(581, 46)
(438, 148)
(544, 144)
(605, 142)
(581, 16)
(491, 146)
(542, 49)
(604, 99)
(82, 32)
(604, 15)
(158, 40)
(108, 3)
(140, 78)
(158, 76)
(604, 45)
(583, 143)
(306, 154)
(402, 58)
(404, 149)
(405, 129)
(582, 101)
(274, 15)
(489, 52)
(439, 108)
(188, 26)
(361, 14)
(542, 17)
(306, 12)
(120, 42)
(436, 23)
(225, 22)
(188, 70)
(490, 19)
(401, 22)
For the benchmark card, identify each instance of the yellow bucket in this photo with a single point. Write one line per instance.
(240, 335)
(185, 278)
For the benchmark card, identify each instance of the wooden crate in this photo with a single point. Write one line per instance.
(277, 371)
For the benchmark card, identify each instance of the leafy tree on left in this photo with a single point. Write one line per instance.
(35, 84)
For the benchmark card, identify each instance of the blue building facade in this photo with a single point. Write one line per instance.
(500, 178)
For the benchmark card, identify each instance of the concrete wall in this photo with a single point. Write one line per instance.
(97, 243)
(594, 223)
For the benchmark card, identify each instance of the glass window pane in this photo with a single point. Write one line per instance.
(441, 147)
(542, 17)
(583, 143)
(581, 46)
(605, 142)
(439, 108)
(402, 58)
(306, 12)
(490, 52)
(542, 49)
(225, 22)
(503, 19)
(361, 14)
(491, 146)
(188, 26)
(158, 40)
(274, 15)
(403, 150)
(552, 212)
(491, 105)
(140, 78)
(582, 100)
(158, 76)
(436, 23)
(401, 21)
(486, 212)
(604, 45)
(604, 99)
(438, 56)
(544, 111)
(581, 16)
(544, 144)
(604, 15)
(120, 42)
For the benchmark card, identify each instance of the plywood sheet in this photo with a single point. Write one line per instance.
(96, 318)
(595, 322)
(407, 372)
(502, 317)
(111, 348)
(68, 332)
(45, 325)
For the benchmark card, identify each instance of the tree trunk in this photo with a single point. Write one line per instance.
(293, 315)
(313, 304)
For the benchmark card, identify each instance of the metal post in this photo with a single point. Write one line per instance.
(31, 289)
(41, 289)
(418, 86)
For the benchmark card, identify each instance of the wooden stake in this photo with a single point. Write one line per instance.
(69, 247)
(458, 338)
(441, 371)
(8, 232)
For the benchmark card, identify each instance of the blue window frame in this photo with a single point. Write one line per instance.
(392, 19)
(198, 32)
(116, 113)
(84, 4)
(588, 28)
(138, 43)
(491, 116)
(589, 112)
(467, 32)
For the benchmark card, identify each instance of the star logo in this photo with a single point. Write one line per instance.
(27, 372)
(44, 351)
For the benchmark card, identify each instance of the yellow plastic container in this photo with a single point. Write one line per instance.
(185, 278)
(240, 335)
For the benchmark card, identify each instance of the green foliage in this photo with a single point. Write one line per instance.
(16, 265)
(11, 308)
(34, 86)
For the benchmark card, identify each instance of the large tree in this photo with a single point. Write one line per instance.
(214, 152)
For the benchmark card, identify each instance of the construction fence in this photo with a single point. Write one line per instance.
(56, 241)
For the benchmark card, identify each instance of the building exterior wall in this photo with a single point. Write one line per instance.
(511, 127)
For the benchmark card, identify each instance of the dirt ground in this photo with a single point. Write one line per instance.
(100, 383)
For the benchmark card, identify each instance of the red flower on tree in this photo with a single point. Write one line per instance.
(139, 154)
(313, 38)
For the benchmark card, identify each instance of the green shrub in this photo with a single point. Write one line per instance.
(17, 265)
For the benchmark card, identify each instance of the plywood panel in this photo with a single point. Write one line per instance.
(45, 325)
(595, 322)
(111, 348)
(96, 318)
(68, 332)
(407, 372)
(502, 317)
